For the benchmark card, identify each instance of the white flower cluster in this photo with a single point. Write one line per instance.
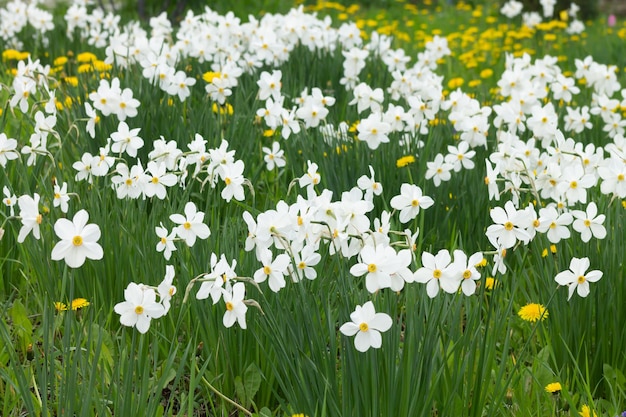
(513, 8)
(17, 15)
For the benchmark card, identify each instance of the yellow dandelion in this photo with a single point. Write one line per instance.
(209, 75)
(405, 160)
(102, 66)
(85, 68)
(79, 303)
(10, 54)
(585, 411)
(553, 388)
(490, 283)
(553, 249)
(60, 61)
(269, 133)
(532, 312)
(59, 306)
(486, 73)
(85, 57)
(455, 83)
(73, 81)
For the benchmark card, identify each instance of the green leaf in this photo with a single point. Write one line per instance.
(241, 391)
(264, 412)
(22, 325)
(252, 382)
(614, 375)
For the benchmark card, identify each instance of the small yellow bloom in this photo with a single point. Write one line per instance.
(586, 411)
(59, 306)
(532, 312)
(60, 61)
(79, 303)
(553, 249)
(490, 283)
(85, 68)
(455, 83)
(102, 66)
(544, 253)
(85, 57)
(269, 133)
(486, 73)
(73, 81)
(549, 37)
(225, 109)
(553, 388)
(404, 161)
(209, 75)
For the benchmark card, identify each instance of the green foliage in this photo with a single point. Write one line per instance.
(450, 355)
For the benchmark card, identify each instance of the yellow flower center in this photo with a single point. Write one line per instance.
(128, 182)
(552, 225)
(467, 274)
(371, 268)
(229, 306)
(364, 327)
(39, 219)
(620, 177)
(56, 196)
(164, 240)
(415, 203)
(508, 226)
(267, 270)
(573, 184)
(77, 240)
(155, 180)
(437, 274)
(301, 265)
(536, 223)
(139, 310)
(187, 225)
(581, 279)
(227, 180)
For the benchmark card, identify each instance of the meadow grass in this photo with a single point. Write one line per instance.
(489, 350)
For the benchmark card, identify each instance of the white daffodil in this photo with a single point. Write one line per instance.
(367, 325)
(79, 240)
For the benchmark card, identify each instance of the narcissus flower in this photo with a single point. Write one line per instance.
(191, 225)
(410, 201)
(367, 325)
(235, 307)
(79, 240)
(139, 308)
(577, 278)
